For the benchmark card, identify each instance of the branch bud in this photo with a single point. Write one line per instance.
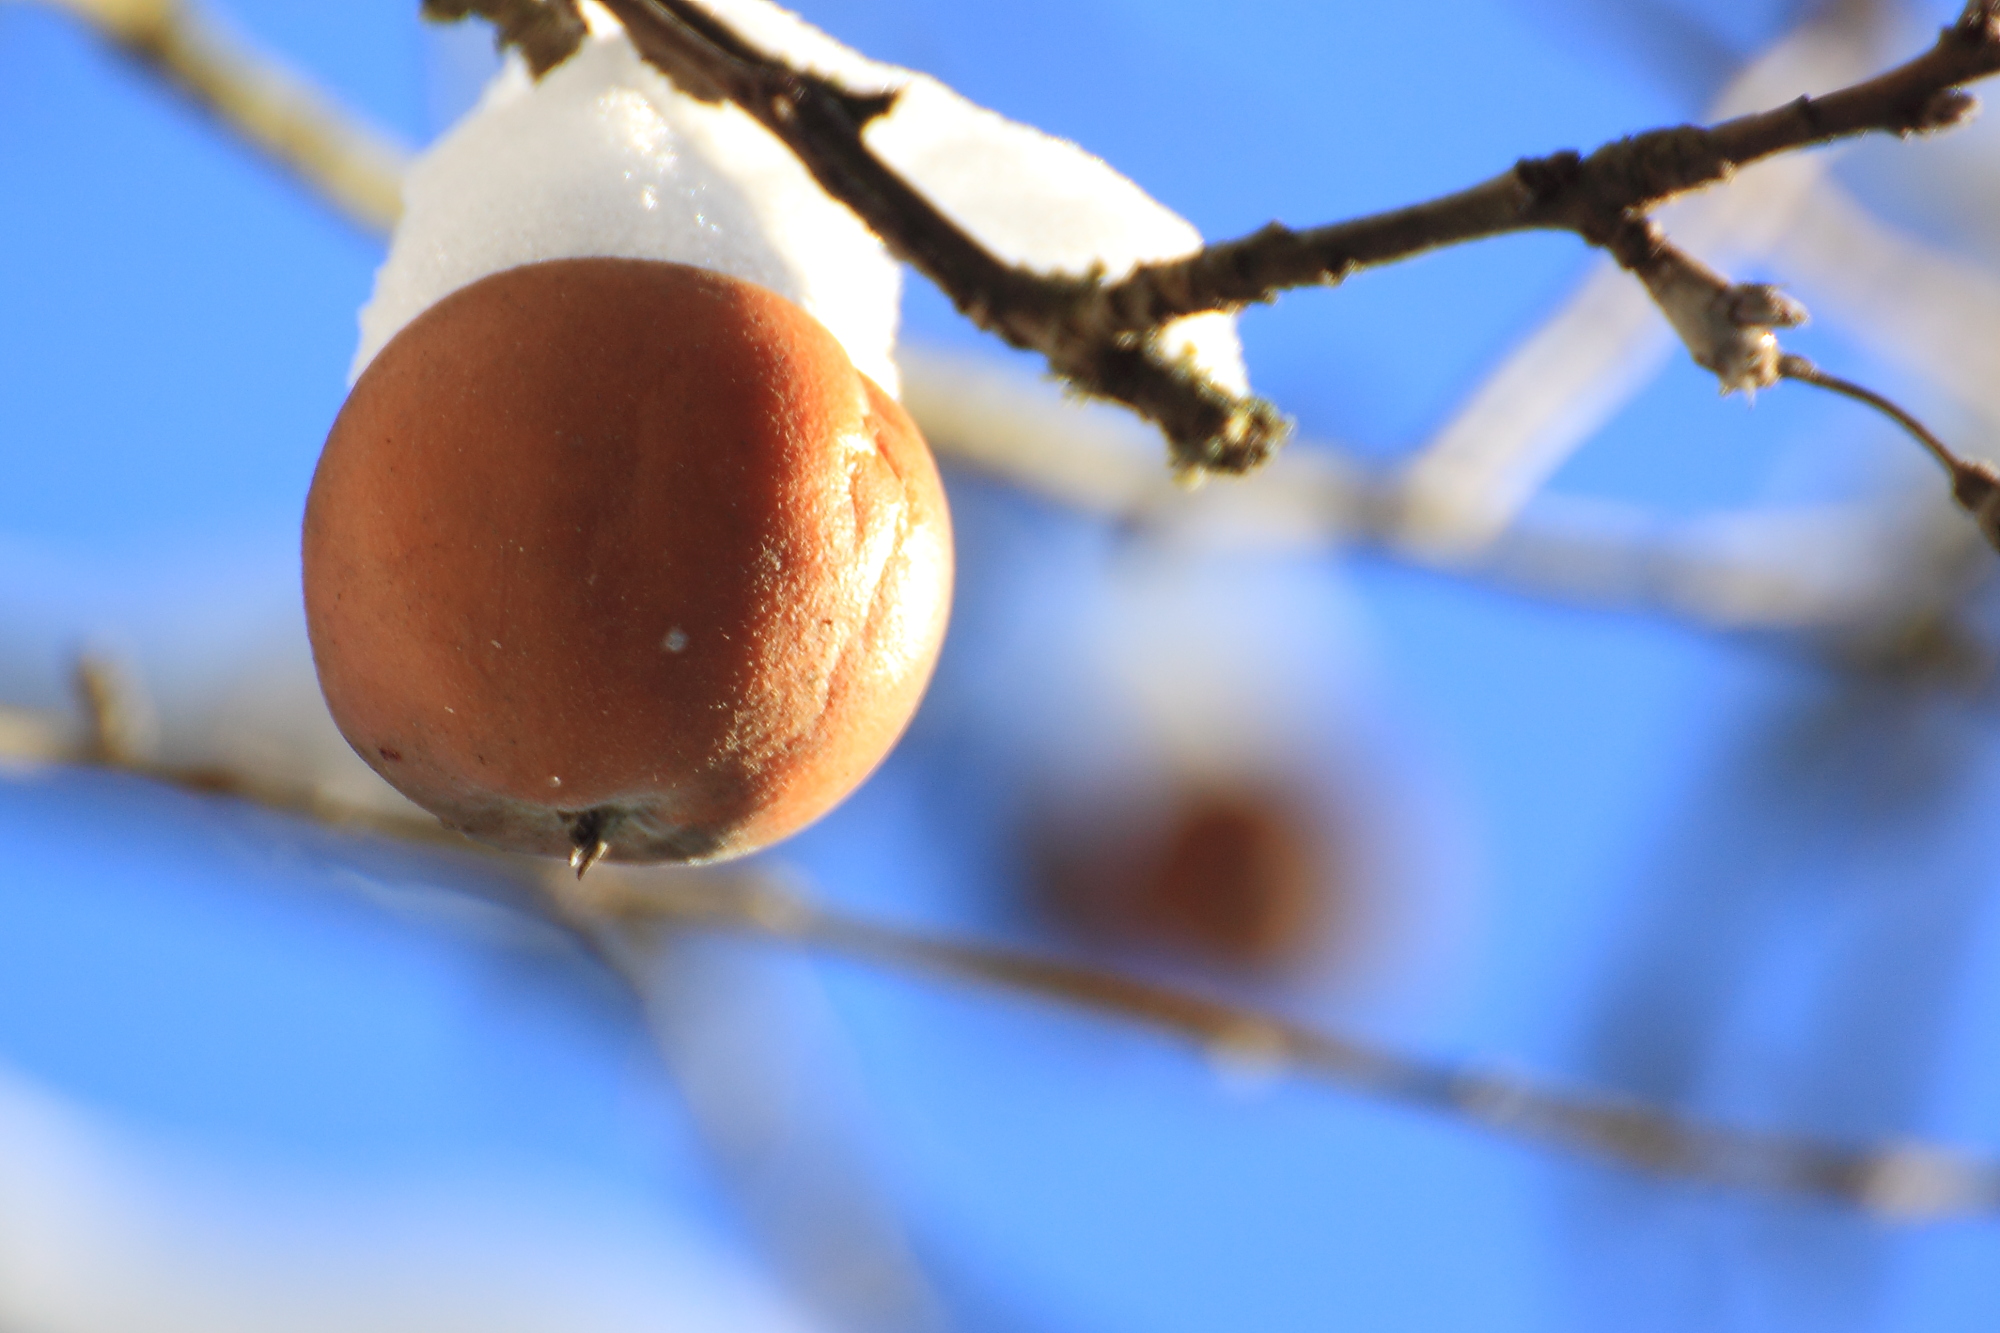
(1727, 327)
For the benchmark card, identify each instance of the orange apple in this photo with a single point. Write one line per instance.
(612, 557)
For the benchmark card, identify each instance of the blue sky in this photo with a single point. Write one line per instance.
(1645, 857)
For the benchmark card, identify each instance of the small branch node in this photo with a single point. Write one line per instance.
(1752, 304)
(1727, 327)
(1547, 178)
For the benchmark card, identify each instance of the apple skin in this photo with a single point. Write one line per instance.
(611, 557)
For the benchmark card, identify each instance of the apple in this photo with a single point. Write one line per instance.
(621, 558)
(1238, 873)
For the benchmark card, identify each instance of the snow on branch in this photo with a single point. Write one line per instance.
(1093, 330)
(1210, 427)
(1101, 334)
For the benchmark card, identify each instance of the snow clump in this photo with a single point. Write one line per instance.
(604, 157)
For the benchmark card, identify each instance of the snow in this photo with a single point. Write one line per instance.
(605, 157)
(1045, 204)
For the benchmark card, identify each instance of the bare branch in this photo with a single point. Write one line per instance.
(1099, 336)
(1726, 327)
(1835, 571)
(1594, 196)
(1788, 571)
(1908, 1182)
(1568, 377)
(1975, 486)
(1782, 571)
(355, 167)
(1208, 428)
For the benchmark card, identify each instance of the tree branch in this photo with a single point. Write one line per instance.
(1100, 336)
(1594, 196)
(1208, 428)
(1905, 1182)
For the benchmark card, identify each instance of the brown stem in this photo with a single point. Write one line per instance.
(1975, 485)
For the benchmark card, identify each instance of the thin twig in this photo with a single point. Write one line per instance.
(1591, 195)
(1795, 367)
(1975, 485)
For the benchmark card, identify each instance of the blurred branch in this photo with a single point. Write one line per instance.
(1564, 380)
(755, 1053)
(1844, 573)
(1908, 301)
(838, 1237)
(1908, 1182)
(355, 167)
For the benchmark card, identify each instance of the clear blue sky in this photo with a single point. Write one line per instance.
(1707, 871)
